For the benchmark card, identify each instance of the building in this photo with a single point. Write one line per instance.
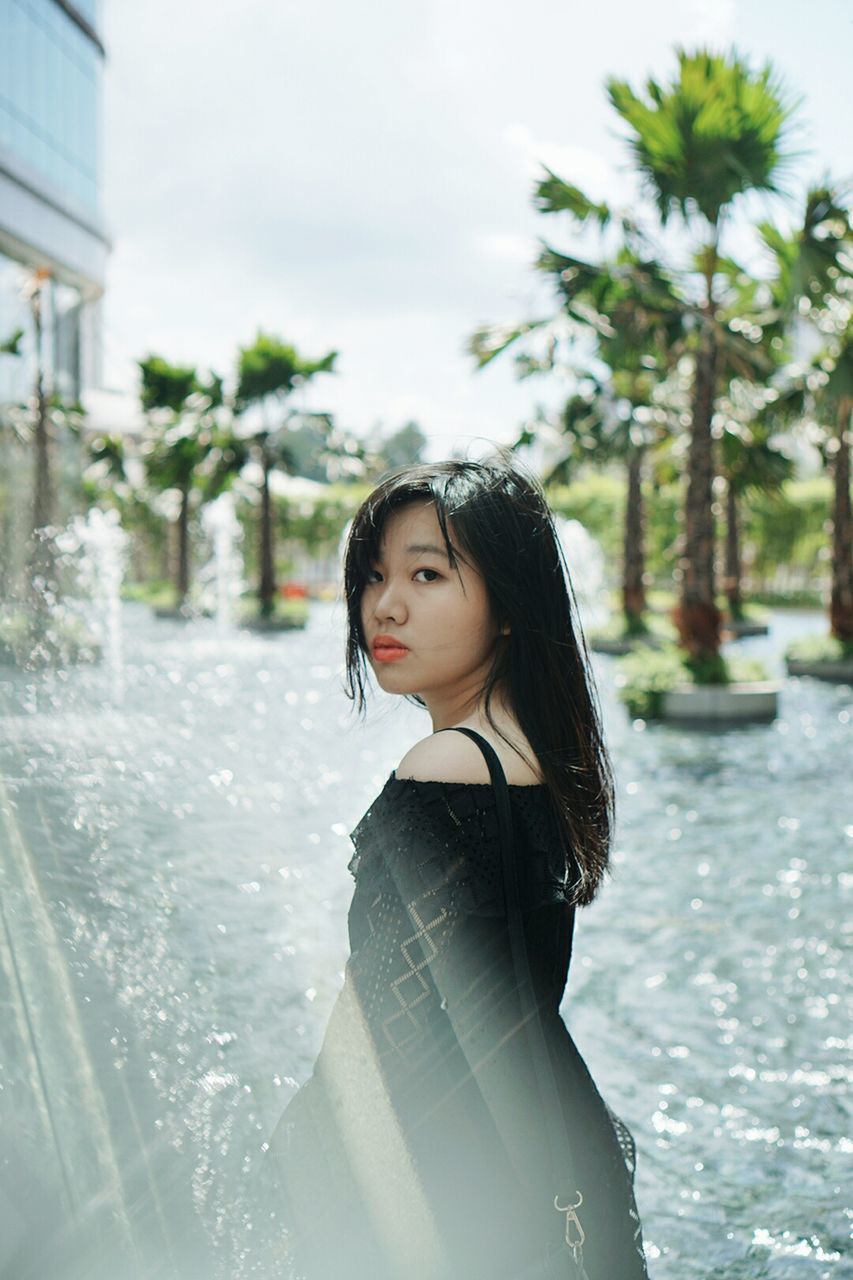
(51, 217)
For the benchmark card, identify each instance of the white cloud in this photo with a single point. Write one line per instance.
(505, 246)
(593, 172)
(361, 179)
(712, 21)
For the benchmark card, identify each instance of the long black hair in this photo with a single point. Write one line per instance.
(503, 526)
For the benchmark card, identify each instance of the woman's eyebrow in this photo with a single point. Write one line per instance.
(425, 548)
(419, 549)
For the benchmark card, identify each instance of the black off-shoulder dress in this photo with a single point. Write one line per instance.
(417, 1146)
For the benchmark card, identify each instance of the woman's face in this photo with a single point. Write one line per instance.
(441, 615)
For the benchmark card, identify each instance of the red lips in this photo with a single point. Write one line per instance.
(387, 644)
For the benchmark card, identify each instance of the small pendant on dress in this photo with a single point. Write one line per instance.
(576, 1243)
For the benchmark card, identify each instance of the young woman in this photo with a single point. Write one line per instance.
(419, 1147)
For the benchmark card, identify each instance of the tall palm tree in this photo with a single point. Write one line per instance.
(839, 392)
(633, 311)
(181, 413)
(269, 371)
(717, 131)
(748, 462)
(605, 422)
(813, 282)
(831, 401)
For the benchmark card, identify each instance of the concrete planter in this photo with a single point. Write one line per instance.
(259, 623)
(837, 670)
(714, 705)
(742, 627)
(171, 614)
(622, 645)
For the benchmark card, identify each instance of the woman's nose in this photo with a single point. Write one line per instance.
(389, 603)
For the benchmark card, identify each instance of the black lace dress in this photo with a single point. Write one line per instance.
(416, 1148)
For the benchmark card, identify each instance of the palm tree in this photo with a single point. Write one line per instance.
(830, 400)
(269, 372)
(718, 130)
(632, 309)
(813, 282)
(603, 422)
(181, 412)
(752, 345)
(748, 462)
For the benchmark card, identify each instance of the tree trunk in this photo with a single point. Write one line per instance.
(696, 615)
(732, 580)
(266, 590)
(166, 554)
(43, 496)
(183, 579)
(41, 566)
(841, 599)
(634, 554)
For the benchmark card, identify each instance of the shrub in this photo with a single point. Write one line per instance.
(822, 648)
(644, 676)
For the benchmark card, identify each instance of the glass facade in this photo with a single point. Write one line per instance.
(51, 68)
(91, 11)
(50, 90)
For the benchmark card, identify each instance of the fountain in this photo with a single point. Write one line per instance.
(222, 577)
(585, 561)
(100, 569)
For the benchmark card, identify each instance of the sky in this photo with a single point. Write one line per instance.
(358, 178)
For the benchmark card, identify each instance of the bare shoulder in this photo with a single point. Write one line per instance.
(454, 757)
(444, 757)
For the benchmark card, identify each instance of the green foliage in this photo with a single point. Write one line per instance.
(166, 386)
(157, 592)
(11, 346)
(652, 625)
(823, 648)
(711, 668)
(717, 130)
(788, 527)
(293, 612)
(270, 367)
(318, 525)
(807, 264)
(25, 642)
(644, 676)
(553, 195)
(597, 500)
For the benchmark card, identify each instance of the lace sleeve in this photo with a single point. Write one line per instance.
(442, 839)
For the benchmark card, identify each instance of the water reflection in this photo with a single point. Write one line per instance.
(173, 937)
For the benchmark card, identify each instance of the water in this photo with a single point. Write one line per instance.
(174, 935)
(585, 561)
(221, 579)
(100, 571)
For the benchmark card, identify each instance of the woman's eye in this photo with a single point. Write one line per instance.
(374, 573)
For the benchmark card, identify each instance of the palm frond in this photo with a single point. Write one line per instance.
(553, 194)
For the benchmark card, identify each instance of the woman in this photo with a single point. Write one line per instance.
(419, 1145)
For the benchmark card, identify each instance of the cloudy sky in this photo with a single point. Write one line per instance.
(358, 177)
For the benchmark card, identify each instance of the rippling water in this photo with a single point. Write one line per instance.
(173, 937)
